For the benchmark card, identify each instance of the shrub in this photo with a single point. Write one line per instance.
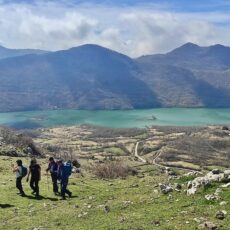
(111, 170)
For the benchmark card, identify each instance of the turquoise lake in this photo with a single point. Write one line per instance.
(117, 118)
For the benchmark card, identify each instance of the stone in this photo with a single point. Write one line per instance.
(197, 183)
(178, 187)
(107, 209)
(208, 225)
(165, 189)
(122, 219)
(216, 171)
(227, 172)
(212, 197)
(223, 203)
(156, 223)
(225, 185)
(221, 214)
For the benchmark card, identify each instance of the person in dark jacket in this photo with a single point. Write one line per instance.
(18, 170)
(35, 172)
(53, 169)
(64, 171)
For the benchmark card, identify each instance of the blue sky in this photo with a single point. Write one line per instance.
(179, 5)
(129, 26)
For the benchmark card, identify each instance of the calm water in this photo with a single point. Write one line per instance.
(117, 119)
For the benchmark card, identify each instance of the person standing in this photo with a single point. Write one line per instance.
(64, 171)
(19, 175)
(53, 169)
(35, 171)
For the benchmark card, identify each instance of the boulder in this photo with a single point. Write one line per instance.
(197, 183)
(215, 175)
(165, 189)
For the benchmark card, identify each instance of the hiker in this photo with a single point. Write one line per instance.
(53, 169)
(19, 175)
(64, 171)
(35, 171)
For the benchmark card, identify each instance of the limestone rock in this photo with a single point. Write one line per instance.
(165, 189)
(221, 214)
(212, 197)
(208, 225)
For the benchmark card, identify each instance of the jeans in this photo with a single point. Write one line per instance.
(64, 190)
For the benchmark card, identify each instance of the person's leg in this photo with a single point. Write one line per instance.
(55, 185)
(19, 185)
(66, 189)
(32, 181)
(63, 188)
(36, 182)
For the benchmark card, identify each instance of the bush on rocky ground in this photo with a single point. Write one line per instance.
(111, 170)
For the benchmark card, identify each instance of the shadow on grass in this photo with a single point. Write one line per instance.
(41, 198)
(74, 196)
(6, 206)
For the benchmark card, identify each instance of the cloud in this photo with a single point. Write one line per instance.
(133, 30)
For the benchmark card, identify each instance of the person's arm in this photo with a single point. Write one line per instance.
(48, 169)
(27, 179)
(14, 168)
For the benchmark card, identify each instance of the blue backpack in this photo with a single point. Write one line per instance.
(24, 171)
(67, 169)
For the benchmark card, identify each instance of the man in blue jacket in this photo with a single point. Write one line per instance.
(64, 171)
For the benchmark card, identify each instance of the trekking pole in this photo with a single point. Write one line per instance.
(47, 181)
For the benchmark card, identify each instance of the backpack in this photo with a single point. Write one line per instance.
(67, 169)
(24, 171)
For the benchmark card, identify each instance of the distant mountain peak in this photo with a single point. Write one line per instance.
(189, 45)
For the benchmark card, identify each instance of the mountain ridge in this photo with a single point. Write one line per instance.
(95, 77)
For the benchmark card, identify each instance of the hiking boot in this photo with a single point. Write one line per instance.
(70, 194)
(22, 194)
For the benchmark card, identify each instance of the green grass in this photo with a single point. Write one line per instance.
(115, 151)
(135, 203)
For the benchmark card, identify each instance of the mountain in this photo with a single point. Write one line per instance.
(93, 77)
(8, 53)
(216, 57)
(189, 76)
(86, 77)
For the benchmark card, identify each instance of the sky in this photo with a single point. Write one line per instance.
(131, 27)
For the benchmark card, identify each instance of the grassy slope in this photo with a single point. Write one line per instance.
(144, 204)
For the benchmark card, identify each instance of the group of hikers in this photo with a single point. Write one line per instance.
(59, 171)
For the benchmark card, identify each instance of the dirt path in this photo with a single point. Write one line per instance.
(155, 159)
(136, 153)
